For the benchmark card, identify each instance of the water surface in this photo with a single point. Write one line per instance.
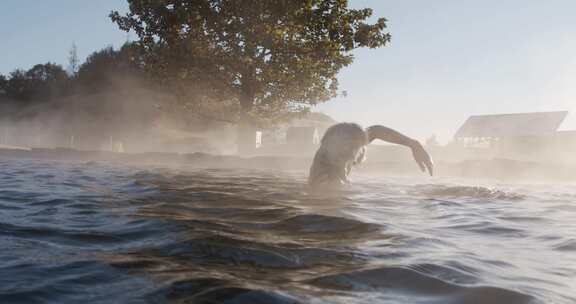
(108, 233)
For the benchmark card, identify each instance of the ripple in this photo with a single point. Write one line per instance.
(10, 208)
(52, 202)
(67, 283)
(82, 237)
(207, 290)
(320, 227)
(489, 228)
(106, 232)
(407, 280)
(477, 192)
(567, 245)
(229, 251)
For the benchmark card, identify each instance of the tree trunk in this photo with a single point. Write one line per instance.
(246, 137)
(246, 134)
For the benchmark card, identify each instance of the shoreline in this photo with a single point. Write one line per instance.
(499, 169)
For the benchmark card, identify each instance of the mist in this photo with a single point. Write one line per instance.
(129, 118)
(126, 117)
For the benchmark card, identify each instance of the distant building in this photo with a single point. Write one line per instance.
(527, 136)
(302, 136)
(278, 134)
(481, 128)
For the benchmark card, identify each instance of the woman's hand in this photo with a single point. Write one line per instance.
(422, 157)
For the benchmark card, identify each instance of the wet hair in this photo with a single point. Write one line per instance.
(341, 147)
(345, 131)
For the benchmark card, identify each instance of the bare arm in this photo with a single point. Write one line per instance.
(388, 135)
(421, 157)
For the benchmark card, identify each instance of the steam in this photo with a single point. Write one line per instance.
(128, 117)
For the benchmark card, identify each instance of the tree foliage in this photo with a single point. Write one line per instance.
(105, 68)
(261, 58)
(41, 82)
(102, 71)
(3, 85)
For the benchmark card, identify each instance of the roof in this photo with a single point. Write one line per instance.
(320, 117)
(313, 119)
(567, 133)
(506, 125)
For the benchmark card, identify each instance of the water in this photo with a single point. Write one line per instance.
(107, 233)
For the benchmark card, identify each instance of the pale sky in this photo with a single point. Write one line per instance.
(448, 58)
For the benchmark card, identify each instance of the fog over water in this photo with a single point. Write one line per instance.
(98, 231)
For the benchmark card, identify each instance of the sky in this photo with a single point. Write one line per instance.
(448, 59)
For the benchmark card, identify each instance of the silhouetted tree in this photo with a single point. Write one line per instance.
(267, 58)
(3, 84)
(42, 82)
(17, 86)
(96, 71)
(47, 81)
(104, 68)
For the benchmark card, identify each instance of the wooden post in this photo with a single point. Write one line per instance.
(72, 142)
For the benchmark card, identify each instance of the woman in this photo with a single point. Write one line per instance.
(344, 145)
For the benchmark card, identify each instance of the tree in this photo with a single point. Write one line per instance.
(261, 59)
(96, 71)
(3, 84)
(41, 83)
(47, 81)
(105, 67)
(17, 85)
